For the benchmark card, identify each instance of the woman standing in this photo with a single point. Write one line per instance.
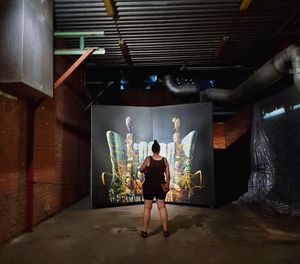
(157, 176)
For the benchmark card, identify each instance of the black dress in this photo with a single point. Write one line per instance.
(154, 177)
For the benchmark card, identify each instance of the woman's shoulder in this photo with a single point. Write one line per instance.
(158, 158)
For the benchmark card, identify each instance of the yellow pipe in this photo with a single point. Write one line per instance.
(245, 4)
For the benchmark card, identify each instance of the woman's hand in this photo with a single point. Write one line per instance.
(165, 187)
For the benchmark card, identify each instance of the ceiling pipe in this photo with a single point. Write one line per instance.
(291, 54)
(287, 61)
(179, 89)
(261, 80)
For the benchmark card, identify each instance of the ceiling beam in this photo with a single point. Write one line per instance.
(125, 51)
(111, 9)
(245, 5)
(221, 47)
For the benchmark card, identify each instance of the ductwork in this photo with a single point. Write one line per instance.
(255, 85)
(179, 89)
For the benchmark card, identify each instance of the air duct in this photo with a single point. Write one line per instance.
(287, 61)
(179, 89)
(261, 80)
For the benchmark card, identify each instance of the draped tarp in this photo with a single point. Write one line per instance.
(275, 152)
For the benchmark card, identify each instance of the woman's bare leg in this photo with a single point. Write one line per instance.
(161, 206)
(147, 214)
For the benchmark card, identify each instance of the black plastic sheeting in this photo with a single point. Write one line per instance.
(275, 153)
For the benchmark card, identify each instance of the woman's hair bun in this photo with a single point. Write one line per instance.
(155, 147)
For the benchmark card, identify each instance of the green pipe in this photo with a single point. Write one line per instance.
(81, 42)
(99, 51)
(67, 34)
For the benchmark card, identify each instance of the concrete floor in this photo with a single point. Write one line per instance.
(235, 233)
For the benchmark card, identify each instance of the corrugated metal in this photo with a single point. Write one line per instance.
(171, 32)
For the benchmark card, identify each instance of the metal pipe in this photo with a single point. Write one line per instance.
(74, 66)
(291, 54)
(98, 51)
(31, 108)
(69, 34)
(216, 95)
(179, 89)
(261, 80)
(29, 166)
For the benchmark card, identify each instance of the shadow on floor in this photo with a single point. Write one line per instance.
(181, 222)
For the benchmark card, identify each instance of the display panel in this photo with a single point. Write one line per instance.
(122, 138)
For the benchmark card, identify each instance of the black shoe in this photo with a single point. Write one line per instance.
(166, 233)
(144, 234)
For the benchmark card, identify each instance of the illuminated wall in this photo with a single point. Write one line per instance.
(122, 138)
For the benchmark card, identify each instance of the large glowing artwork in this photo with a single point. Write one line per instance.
(125, 181)
(124, 146)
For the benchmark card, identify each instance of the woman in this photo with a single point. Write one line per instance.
(156, 169)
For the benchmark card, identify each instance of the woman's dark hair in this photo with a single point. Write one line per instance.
(155, 147)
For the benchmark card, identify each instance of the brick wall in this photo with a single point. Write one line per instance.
(61, 155)
(13, 116)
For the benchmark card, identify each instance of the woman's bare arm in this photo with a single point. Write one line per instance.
(145, 164)
(167, 171)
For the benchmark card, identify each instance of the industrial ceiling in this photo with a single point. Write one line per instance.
(181, 32)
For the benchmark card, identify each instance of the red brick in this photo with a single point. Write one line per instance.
(58, 142)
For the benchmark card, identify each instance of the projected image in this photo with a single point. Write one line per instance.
(121, 140)
(125, 180)
(180, 155)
